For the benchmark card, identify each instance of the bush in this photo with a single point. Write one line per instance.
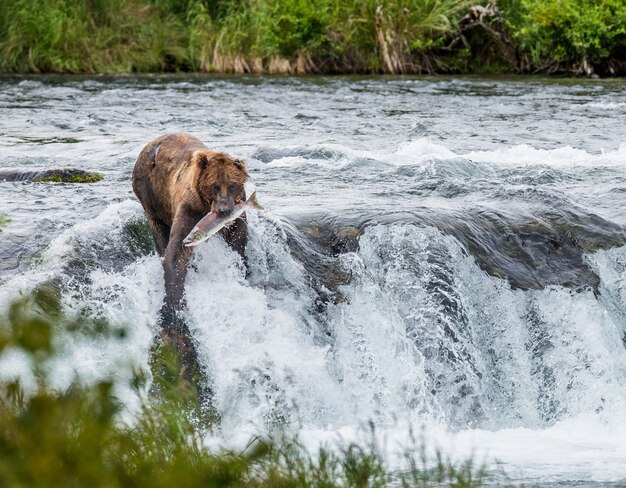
(345, 36)
(570, 31)
(293, 25)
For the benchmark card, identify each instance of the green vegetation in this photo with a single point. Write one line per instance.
(578, 33)
(75, 438)
(321, 36)
(70, 177)
(80, 36)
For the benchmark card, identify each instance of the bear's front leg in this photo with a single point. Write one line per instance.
(175, 266)
(175, 330)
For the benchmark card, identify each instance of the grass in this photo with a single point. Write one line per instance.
(79, 36)
(321, 36)
(75, 438)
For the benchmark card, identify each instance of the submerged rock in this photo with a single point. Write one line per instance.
(531, 253)
(58, 175)
(539, 252)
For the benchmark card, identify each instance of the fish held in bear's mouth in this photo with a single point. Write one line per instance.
(211, 224)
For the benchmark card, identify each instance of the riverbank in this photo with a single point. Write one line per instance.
(567, 37)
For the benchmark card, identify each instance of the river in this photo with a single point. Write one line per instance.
(436, 255)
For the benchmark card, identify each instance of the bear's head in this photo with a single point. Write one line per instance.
(220, 180)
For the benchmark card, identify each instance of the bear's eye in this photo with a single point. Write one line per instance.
(216, 189)
(232, 188)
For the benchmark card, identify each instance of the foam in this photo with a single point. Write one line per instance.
(424, 150)
(128, 298)
(521, 154)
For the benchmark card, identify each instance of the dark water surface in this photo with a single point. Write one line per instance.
(435, 251)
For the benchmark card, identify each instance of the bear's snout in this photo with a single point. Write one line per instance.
(223, 207)
(224, 211)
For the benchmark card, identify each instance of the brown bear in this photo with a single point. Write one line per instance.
(178, 180)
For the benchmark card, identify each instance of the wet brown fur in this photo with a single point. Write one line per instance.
(178, 180)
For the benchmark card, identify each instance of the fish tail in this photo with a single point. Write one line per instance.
(254, 202)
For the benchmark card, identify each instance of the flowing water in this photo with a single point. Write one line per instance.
(439, 258)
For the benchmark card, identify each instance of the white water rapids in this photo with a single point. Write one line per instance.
(419, 339)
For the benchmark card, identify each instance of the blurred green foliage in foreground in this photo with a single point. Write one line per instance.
(75, 437)
(314, 36)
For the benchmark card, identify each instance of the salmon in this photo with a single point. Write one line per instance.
(211, 224)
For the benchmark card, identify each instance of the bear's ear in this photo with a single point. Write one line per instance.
(240, 164)
(200, 159)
